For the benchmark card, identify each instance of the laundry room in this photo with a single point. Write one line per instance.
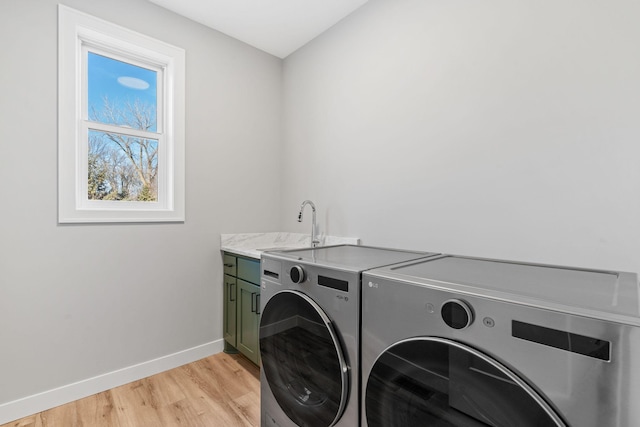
(496, 130)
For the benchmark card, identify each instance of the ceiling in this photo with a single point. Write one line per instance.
(278, 27)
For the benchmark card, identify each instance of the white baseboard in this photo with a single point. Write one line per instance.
(30, 405)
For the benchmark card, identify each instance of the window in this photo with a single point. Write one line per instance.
(121, 124)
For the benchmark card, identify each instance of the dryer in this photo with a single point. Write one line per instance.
(457, 341)
(310, 333)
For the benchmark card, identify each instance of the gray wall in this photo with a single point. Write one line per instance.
(78, 301)
(496, 128)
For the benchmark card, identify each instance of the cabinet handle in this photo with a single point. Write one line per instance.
(231, 293)
(258, 304)
(253, 299)
(228, 265)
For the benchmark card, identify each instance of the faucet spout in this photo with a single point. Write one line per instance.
(314, 239)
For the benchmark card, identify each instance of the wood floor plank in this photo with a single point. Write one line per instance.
(164, 389)
(181, 413)
(64, 415)
(207, 394)
(246, 408)
(97, 410)
(220, 390)
(27, 422)
(134, 406)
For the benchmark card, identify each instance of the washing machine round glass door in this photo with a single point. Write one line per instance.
(302, 360)
(439, 382)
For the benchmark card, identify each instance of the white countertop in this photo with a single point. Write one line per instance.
(253, 244)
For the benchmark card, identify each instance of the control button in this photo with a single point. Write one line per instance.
(297, 274)
(488, 322)
(457, 314)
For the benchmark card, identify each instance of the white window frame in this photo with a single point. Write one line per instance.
(77, 34)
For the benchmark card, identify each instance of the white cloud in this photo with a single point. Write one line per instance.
(133, 83)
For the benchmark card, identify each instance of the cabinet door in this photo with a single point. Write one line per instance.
(248, 320)
(230, 309)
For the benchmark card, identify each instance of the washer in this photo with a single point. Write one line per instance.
(456, 341)
(310, 333)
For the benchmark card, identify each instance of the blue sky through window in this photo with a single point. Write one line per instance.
(120, 83)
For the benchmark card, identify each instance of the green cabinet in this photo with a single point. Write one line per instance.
(242, 305)
(248, 320)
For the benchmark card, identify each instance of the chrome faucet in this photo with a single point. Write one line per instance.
(314, 239)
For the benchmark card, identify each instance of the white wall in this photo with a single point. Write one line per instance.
(78, 301)
(496, 128)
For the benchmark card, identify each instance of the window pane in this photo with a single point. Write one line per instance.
(121, 94)
(122, 167)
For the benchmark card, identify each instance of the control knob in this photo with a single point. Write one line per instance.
(457, 314)
(297, 274)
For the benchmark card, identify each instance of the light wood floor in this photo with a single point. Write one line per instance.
(220, 390)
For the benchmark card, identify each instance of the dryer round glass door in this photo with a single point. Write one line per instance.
(435, 381)
(302, 360)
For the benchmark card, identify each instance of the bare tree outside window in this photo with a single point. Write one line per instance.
(123, 167)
